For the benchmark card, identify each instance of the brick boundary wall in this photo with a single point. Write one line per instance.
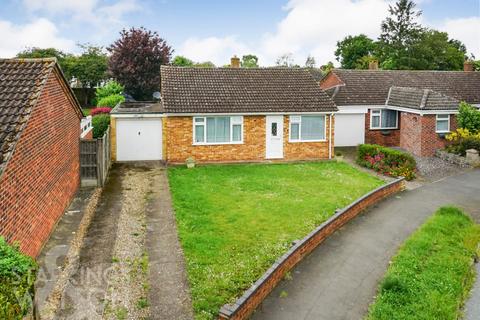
(254, 296)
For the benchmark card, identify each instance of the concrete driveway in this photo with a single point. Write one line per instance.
(339, 279)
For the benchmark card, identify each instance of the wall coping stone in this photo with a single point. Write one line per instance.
(240, 309)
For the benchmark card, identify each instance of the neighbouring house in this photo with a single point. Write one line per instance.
(39, 149)
(227, 115)
(367, 114)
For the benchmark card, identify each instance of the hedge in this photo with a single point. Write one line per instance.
(17, 276)
(387, 161)
(100, 125)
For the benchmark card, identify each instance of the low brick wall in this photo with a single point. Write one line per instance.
(254, 296)
(452, 158)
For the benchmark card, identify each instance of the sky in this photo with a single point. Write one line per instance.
(216, 30)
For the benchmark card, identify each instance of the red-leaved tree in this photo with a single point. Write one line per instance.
(135, 61)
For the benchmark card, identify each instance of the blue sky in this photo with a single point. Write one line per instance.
(215, 30)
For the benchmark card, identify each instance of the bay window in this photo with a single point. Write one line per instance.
(383, 119)
(442, 123)
(307, 128)
(218, 130)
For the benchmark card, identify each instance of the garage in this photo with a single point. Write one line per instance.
(349, 127)
(138, 132)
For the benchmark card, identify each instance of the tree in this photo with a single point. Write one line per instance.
(327, 67)
(89, 68)
(249, 61)
(399, 32)
(468, 117)
(182, 61)
(35, 52)
(353, 51)
(135, 61)
(285, 60)
(310, 62)
(205, 64)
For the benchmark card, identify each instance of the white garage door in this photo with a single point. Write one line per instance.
(139, 139)
(349, 129)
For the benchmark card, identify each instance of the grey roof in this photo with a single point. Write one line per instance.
(21, 83)
(370, 87)
(420, 99)
(238, 90)
(138, 107)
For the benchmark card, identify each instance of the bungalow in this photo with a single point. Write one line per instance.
(408, 109)
(39, 149)
(227, 115)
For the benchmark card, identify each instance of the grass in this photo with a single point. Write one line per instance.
(234, 221)
(432, 274)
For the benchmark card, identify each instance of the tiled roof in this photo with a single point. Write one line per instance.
(21, 81)
(420, 99)
(370, 87)
(237, 90)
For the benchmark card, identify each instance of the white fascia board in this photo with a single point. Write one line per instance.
(137, 115)
(421, 112)
(199, 114)
(355, 109)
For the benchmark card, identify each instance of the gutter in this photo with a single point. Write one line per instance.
(330, 138)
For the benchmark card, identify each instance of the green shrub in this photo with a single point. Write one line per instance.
(17, 276)
(462, 140)
(110, 101)
(468, 117)
(387, 161)
(109, 89)
(100, 125)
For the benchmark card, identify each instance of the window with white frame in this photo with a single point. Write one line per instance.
(218, 130)
(307, 128)
(442, 123)
(383, 119)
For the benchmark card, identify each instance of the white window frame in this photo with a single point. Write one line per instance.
(381, 127)
(234, 120)
(442, 119)
(297, 119)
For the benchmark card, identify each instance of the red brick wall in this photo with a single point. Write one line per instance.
(179, 136)
(331, 80)
(43, 175)
(430, 140)
(411, 133)
(392, 139)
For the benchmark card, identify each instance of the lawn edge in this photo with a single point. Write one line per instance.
(244, 306)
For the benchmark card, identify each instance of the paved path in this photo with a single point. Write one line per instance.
(472, 307)
(339, 279)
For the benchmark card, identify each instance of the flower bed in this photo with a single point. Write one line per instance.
(387, 161)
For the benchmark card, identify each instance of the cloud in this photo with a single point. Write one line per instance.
(38, 33)
(466, 30)
(309, 27)
(215, 49)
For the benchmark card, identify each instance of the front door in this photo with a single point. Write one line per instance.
(274, 134)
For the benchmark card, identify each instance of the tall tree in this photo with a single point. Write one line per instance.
(182, 61)
(285, 60)
(310, 62)
(352, 51)
(35, 52)
(89, 68)
(135, 61)
(399, 32)
(249, 61)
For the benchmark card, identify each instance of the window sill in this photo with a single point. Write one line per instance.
(215, 143)
(377, 129)
(304, 141)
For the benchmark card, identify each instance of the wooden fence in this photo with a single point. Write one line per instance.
(95, 160)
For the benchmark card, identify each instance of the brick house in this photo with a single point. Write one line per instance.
(367, 114)
(39, 149)
(227, 115)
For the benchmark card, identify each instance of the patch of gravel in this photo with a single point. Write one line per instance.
(128, 280)
(433, 168)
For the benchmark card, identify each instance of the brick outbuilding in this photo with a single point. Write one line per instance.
(39, 150)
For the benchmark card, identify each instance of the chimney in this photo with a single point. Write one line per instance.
(468, 65)
(373, 65)
(235, 62)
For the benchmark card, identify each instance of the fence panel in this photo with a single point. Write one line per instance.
(95, 160)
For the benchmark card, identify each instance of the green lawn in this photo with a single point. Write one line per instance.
(432, 273)
(234, 221)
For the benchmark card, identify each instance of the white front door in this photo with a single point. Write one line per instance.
(139, 139)
(274, 134)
